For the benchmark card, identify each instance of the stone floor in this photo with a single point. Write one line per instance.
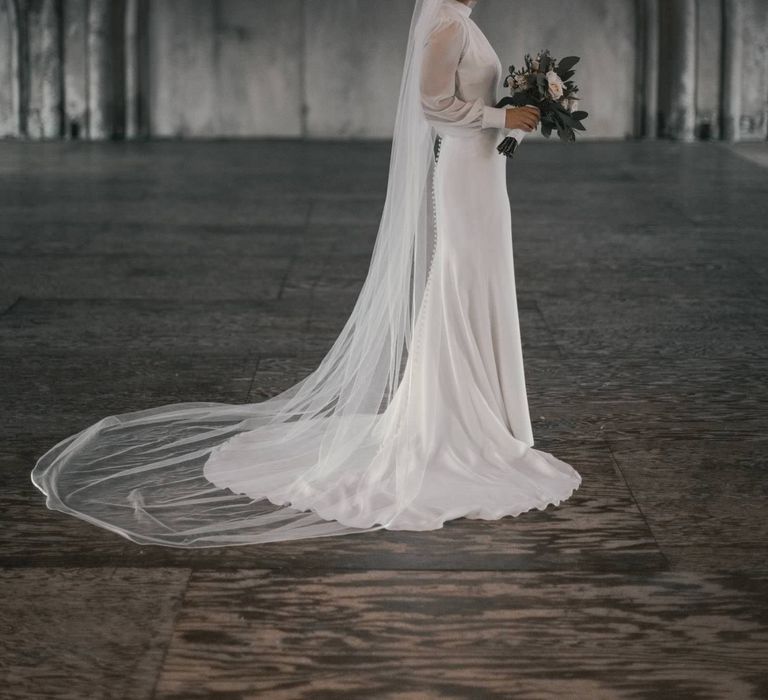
(134, 275)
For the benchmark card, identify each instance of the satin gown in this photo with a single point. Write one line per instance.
(461, 409)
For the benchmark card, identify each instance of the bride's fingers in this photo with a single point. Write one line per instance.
(530, 119)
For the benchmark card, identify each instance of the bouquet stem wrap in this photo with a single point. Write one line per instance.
(510, 143)
(546, 83)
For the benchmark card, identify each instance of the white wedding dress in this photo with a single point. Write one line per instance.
(417, 415)
(461, 408)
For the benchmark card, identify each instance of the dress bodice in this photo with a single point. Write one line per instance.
(460, 74)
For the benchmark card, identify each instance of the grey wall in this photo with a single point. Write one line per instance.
(226, 67)
(754, 86)
(331, 68)
(709, 58)
(9, 71)
(354, 52)
(601, 32)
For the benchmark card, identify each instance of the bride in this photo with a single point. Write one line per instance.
(416, 415)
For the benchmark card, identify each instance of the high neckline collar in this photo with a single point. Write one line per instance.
(459, 6)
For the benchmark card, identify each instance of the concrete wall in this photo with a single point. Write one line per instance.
(75, 37)
(9, 71)
(601, 32)
(354, 51)
(708, 74)
(754, 86)
(727, 65)
(225, 67)
(331, 68)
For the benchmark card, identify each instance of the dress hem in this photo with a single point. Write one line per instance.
(470, 512)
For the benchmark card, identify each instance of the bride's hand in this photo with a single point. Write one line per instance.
(525, 117)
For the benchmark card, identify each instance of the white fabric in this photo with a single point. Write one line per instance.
(459, 76)
(417, 414)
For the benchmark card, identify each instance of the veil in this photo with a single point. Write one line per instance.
(323, 446)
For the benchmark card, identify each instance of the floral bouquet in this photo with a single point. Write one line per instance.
(545, 83)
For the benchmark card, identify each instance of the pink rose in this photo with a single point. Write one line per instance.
(555, 84)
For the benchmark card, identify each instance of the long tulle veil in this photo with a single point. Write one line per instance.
(141, 474)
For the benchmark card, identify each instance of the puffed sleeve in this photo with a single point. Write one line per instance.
(442, 53)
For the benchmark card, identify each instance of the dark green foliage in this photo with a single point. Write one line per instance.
(566, 64)
(554, 116)
(517, 100)
(566, 118)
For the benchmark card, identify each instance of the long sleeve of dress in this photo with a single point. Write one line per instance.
(439, 100)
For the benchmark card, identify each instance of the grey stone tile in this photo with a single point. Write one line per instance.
(642, 274)
(29, 239)
(598, 527)
(186, 209)
(32, 535)
(607, 244)
(489, 634)
(334, 273)
(756, 152)
(632, 280)
(62, 393)
(86, 633)
(342, 239)
(7, 301)
(151, 325)
(626, 324)
(198, 277)
(364, 210)
(639, 400)
(702, 493)
(203, 241)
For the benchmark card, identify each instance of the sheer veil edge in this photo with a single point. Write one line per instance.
(143, 474)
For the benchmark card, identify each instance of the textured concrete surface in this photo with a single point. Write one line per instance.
(233, 68)
(569, 29)
(9, 71)
(227, 68)
(332, 69)
(86, 633)
(133, 275)
(470, 634)
(755, 152)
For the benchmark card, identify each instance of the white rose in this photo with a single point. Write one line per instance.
(555, 85)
